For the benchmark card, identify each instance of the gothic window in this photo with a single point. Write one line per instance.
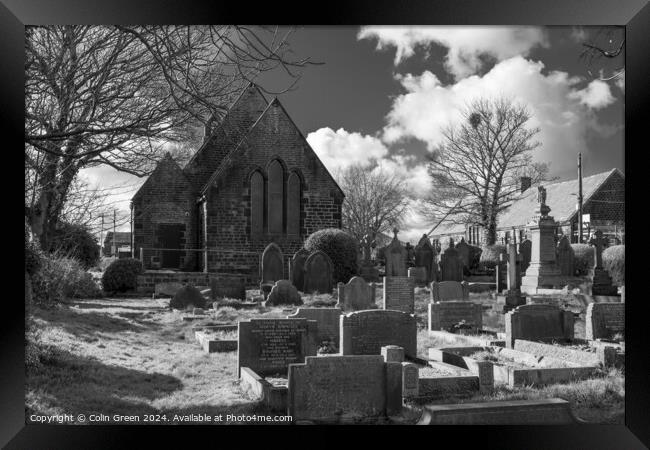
(293, 204)
(257, 203)
(276, 197)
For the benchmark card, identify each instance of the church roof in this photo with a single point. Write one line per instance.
(165, 165)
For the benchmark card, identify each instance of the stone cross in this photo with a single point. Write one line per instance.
(597, 242)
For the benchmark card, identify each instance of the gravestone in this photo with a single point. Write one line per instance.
(399, 294)
(344, 389)
(187, 296)
(601, 281)
(542, 272)
(525, 249)
(451, 266)
(538, 322)
(410, 380)
(392, 353)
(268, 346)
(318, 273)
(442, 291)
(356, 294)
(419, 275)
(565, 257)
(604, 321)
(446, 315)
(225, 286)
(366, 332)
(512, 297)
(463, 252)
(297, 269)
(396, 256)
(328, 320)
(425, 256)
(283, 293)
(367, 269)
(272, 265)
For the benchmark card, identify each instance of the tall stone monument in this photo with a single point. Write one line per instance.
(601, 281)
(396, 256)
(425, 256)
(542, 273)
(512, 298)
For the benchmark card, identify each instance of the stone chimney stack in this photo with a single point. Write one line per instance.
(524, 183)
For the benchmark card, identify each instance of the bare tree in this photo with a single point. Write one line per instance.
(604, 53)
(117, 95)
(375, 201)
(476, 170)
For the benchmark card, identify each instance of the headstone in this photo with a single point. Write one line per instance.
(224, 286)
(425, 256)
(392, 353)
(443, 291)
(565, 257)
(410, 380)
(318, 273)
(542, 273)
(399, 294)
(268, 346)
(604, 321)
(272, 264)
(463, 252)
(367, 269)
(297, 269)
(538, 322)
(396, 256)
(283, 293)
(601, 281)
(187, 296)
(410, 255)
(447, 315)
(328, 320)
(356, 295)
(512, 297)
(344, 389)
(419, 275)
(366, 332)
(451, 266)
(525, 249)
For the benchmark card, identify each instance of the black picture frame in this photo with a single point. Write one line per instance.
(633, 14)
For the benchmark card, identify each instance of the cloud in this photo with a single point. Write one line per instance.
(562, 111)
(620, 81)
(465, 45)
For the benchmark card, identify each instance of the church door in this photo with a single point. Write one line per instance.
(169, 236)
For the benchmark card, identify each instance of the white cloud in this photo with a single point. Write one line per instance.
(562, 111)
(465, 45)
(620, 81)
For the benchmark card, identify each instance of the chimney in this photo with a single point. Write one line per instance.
(525, 183)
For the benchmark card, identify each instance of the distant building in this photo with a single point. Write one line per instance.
(603, 209)
(117, 243)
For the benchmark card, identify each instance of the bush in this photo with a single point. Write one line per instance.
(474, 256)
(340, 246)
(59, 278)
(489, 257)
(76, 241)
(187, 296)
(121, 275)
(614, 263)
(583, 258)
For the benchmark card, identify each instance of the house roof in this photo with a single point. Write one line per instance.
(561, 197)
(120, 237)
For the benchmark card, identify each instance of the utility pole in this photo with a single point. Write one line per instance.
(101, 233)
(114, 246)
(580, 198)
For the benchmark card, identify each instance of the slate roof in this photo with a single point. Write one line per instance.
(121, 237)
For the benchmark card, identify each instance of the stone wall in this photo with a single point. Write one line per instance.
(148, 280)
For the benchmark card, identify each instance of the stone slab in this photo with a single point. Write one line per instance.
(328, 320)
(366, 332)
(446, 315)
(224, 286)
(604, 320)
(538, 322)
(399, 294)
(274, 397)
(356, 294)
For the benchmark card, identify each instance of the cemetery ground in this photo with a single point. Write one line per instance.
(134, 356)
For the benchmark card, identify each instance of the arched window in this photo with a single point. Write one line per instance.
(293, 204)
(276, 197)
(257, 203)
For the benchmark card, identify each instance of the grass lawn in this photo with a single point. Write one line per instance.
(135, 357)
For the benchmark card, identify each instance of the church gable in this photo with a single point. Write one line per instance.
(167, 179)
(238, 120)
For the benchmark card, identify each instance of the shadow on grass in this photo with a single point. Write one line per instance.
(82, 324)
(99, 304)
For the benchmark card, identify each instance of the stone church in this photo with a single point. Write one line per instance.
(255, 181)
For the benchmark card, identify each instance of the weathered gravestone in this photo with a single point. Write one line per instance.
(344, 389)
(399, 294)
(538, 322)
(367, 268)
(525, 249)
(512, 297)
(283, 293)
(356, 294)
(392, 353)
(396, 256)
(451, 266)
(298, 269)
(463, 252)
(419, 275)
(447, 315)
(425, 256)
(318, 273)
(605, 321)
(366, 332)
(227, 286)
(410, 380)
(442, 291)
(271, 266)
(565, 257)
(601, 281)
(328, 320)
(268, 346)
